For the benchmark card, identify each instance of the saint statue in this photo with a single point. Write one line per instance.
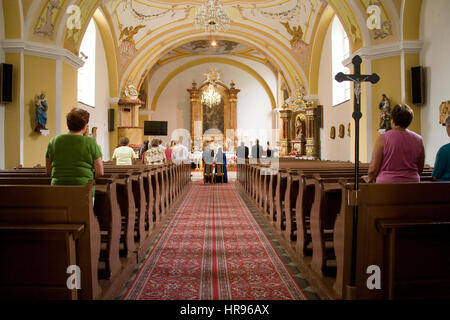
(41, 108)
(298, 129)
(385, 117)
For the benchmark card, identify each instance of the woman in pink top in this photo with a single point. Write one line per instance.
(169, 150)
(398, 154)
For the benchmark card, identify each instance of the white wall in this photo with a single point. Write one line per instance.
(435, 32)
(254, 107)
(339, 148)
(99, 114)
(2, 107)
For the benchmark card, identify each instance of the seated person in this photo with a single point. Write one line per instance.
(441, 170)
(124, 155)
(398, 154)
(154, 155)
(71, 157)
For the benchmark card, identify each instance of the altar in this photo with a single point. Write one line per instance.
(300, 136)
(213, 112)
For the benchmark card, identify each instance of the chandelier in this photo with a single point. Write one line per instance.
(211, 97)
(212, 17)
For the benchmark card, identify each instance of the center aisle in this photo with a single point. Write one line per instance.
(213, 248)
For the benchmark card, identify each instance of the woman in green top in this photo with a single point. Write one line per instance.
(71, 157)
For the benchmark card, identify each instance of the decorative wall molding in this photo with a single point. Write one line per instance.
(386, 50)
(41, 50)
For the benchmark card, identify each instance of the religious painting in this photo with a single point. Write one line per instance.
(213, 117)
(46, 22)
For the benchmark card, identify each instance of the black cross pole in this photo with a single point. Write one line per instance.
(356, 78)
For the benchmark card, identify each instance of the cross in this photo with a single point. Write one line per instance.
(356, 78)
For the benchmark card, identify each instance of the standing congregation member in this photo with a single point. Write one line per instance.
(124, 155)
(169, 150)
(441, 170)
(257, 150)
(242, 153)
(72, 157)
(154, 156)
(222, 158)
(268, 151)
(180, 153)
(398, 154)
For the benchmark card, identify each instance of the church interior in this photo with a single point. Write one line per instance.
(296, 96)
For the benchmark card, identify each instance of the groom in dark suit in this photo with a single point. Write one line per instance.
(257, 150)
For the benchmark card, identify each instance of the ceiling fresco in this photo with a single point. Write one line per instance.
(281, 32)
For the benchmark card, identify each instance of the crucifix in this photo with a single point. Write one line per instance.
(356, 78)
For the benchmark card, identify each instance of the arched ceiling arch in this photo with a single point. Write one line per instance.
(284, 30)
(207, 60)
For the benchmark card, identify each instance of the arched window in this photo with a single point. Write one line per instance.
(86, 74)
(340, 51)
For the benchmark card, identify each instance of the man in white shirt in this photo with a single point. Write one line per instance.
(124, 155)
(180, 153)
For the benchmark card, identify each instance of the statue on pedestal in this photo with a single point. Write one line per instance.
(41, 108)
(299, 129)
(385, 117)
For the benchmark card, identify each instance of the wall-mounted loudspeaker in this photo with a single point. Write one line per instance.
(417, 85)
(6, 71)
(111, 120)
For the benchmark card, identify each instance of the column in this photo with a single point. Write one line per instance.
(286, 116)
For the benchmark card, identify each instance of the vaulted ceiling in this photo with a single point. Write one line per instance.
(138, 34)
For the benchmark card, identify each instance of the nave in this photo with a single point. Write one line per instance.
(214, 249)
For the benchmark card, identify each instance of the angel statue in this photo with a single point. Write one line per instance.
(385, 117)
(41, 108)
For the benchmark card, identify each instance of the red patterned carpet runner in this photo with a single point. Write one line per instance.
(213, 248)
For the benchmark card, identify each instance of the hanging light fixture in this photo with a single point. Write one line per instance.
(212, 17)
(210, 96)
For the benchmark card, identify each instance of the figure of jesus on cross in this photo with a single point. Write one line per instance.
(357, 78)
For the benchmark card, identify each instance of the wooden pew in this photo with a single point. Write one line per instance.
(113, 271)
(49, 221)
(404, 230)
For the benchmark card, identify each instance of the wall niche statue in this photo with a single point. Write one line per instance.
(41, 108)
(385, 116)
(333, 133)
(341, 131)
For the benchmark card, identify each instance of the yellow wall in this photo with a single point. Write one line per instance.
(389, 70)
(26, 4)
(11, 15)
(69, 93)
(411, 23)
(40, 76)
(12, 116)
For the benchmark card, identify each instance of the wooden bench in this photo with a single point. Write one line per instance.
(46, 223)
(404, 230)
